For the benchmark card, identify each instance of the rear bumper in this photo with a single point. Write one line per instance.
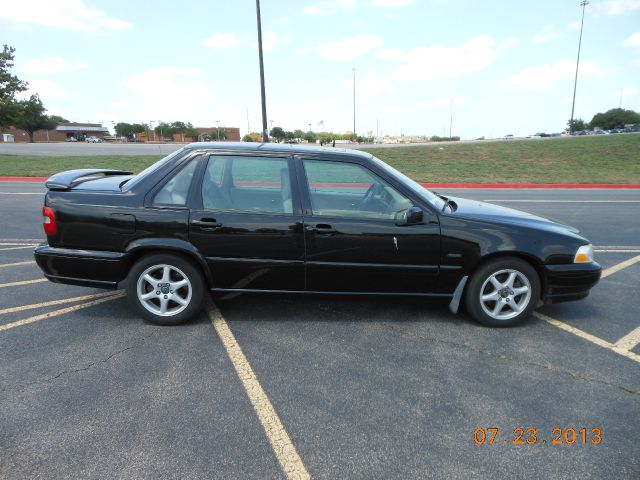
(570, 282)
(87, 268)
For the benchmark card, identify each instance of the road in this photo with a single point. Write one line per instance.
(381, 388)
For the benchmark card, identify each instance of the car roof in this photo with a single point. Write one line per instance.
(288, 148)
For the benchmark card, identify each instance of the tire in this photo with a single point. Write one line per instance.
(503, 292)
(173, 301)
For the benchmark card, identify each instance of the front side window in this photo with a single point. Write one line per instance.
(176, 191)
(349, 190)
(247, 184)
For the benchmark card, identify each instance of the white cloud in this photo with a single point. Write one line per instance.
(616, 7)
(370, 84)
(269, 41)
(166, 92)
(632, 40)
(66, 14)
(46, 89)
(545, 76)
(220, 40)
(350, 48)
(51, 66)
(391, 3)
(547, 34)
(446, 101)
(434, 62)
(629, 92)
(282, 21)
(328, 6)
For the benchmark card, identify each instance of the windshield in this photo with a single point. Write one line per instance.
(150, 169)
(418, 189)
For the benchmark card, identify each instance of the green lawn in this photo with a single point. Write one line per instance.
(598, 159)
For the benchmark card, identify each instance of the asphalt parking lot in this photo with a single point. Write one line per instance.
(285, 387)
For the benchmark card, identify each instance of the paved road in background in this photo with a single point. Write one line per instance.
(382, 388)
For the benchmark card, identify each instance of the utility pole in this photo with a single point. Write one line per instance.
(265, 133)
(218, 129)
(451, 118)
(354, 103)
(583, 4)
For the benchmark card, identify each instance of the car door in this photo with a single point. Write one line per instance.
(248, 223)
(355, 239)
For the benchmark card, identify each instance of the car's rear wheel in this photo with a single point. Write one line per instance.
(165, 289)
(503, 292)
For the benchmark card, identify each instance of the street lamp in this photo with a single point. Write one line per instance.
(154, 132)
(265, 134)
(161, 133)
(583, 4)
(218, 129)
(354, 102)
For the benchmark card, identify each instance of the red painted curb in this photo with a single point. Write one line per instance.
(531, 185)
(23, 179)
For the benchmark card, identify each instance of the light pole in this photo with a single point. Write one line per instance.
(265, 134)
(354, 102)
(154, 132)
(583, 4)
(161, 133)
(218, 129)
(451, 118)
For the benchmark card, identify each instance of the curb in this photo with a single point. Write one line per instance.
(449, 185)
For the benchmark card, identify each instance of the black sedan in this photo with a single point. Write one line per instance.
(225, 217)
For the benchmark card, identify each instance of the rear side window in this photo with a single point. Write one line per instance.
(176, 191)
(247, 184)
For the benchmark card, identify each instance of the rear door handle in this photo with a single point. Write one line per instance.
(206, 224)
(321, 229)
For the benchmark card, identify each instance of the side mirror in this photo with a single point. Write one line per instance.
(412, 216)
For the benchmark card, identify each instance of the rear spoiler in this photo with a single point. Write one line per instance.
(70, 178)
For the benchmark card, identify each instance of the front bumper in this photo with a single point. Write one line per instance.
(87, 268)
(569, 282)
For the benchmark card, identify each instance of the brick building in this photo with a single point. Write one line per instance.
(61, 133)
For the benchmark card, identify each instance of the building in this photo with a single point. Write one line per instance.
(233, 133)
(63, 132)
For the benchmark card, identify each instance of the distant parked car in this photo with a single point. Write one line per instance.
(508, 137)
(599, 132)
(93, 139)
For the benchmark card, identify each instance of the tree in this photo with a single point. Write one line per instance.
(614, 118)
(30, 116)
(299, 134)
(577, 125)
(57, 120)
(277, 133)
(247, 138)
(9, 86)
(310, 137)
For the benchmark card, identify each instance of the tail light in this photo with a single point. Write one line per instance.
(49, 221)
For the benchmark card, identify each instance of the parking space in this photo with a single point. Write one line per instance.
(285, 386)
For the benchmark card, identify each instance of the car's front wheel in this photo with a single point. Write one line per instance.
(503, 292)
(165, 289)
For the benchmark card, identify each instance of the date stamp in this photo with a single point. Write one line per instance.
(537, 436)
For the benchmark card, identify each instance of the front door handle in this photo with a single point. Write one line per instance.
(206, 224)
(321, 229)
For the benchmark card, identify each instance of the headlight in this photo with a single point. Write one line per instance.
(584, 254)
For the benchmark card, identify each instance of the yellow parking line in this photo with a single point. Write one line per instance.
(630, 340)
(620, 266)
(587, 336)
(23, 282)
(23, 247)
(62, 311)
(17, 264)
(54, 302)
(283, 447)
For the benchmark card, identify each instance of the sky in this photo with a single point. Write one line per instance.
(488, 68)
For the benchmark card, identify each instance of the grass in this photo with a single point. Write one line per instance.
(597, 159)
(24, 166)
